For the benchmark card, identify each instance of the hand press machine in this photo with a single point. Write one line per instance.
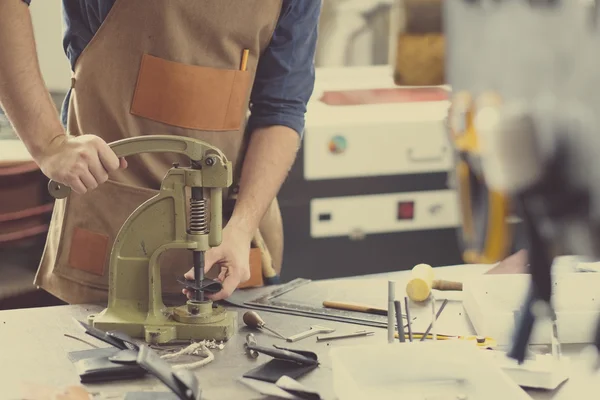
(135, 303)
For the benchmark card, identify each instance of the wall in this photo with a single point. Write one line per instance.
(48, 30)
(355, 33)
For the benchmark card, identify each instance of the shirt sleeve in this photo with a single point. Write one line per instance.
(28, 2)
(285, 73)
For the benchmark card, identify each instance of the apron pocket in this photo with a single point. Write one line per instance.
(90, 225)
(190, 96)
(88, 251)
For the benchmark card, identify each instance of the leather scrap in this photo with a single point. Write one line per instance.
(285, 362)
(207, 285)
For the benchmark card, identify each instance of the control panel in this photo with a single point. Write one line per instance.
(356, 216)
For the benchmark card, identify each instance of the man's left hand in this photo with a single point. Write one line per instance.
(233, 257)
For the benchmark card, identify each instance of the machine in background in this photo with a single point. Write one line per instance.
(368, 192)
(524, 116)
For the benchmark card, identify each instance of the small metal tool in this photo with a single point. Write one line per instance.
(315, 329)
(407, 312)
(344, 336)
(251, 341)
(556, 347)
(391, 321)
(401, 335)
(253, 320)
(436, 317)
(433, 318)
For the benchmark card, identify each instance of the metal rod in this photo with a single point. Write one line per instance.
(401, 336)
(198, 223)
(279, 335)
(407, 312)
(345, 336)
(436, 317)
(199, 273)
(391, 322)
(433, 318)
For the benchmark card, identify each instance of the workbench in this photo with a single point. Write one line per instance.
(34, 345)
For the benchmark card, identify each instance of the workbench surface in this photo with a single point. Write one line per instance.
(34, 345)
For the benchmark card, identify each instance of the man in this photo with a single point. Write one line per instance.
(160, 67)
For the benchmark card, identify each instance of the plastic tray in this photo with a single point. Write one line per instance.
(440, 370)
(492, 301)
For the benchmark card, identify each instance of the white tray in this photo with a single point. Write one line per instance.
(491, 301)
(418, 371)
(542, 371)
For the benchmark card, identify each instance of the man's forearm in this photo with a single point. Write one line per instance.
(270, 155)
(23, 94)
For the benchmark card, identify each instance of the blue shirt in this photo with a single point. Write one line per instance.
(285, 73)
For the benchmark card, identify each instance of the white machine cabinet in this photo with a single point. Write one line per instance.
(368, 191)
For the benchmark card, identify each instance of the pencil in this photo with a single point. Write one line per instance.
(407, 312)
(401, 336)
(244, 65)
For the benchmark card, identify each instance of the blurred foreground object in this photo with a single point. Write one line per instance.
(524, 122)
(420, 44)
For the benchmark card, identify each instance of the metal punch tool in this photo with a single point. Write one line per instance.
(344, 336)
(314, 330)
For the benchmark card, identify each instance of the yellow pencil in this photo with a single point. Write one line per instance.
(244, 59)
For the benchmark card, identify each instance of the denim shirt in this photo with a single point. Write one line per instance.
(285, 74)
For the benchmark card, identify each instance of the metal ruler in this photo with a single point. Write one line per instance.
(270, 302)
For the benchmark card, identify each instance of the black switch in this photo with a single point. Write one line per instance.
(325, 217)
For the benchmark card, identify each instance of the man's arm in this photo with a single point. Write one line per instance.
(283, 85)
(23, 94)
(81, 163)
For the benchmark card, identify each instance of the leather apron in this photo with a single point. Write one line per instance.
(155, 67)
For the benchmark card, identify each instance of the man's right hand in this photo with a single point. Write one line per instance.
(81, 162)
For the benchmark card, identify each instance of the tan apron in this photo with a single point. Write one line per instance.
(155, 67)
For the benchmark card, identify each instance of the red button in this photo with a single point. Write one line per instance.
(406, 210)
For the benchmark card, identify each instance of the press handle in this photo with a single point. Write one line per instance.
(193, 148)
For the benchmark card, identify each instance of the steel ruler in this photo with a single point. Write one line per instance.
(272, 302)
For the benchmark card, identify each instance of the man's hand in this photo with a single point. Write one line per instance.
(233, 256)
(82, 162)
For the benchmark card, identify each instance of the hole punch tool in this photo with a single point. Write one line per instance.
(344, 336)
(251, 341)
(135, 303)
(253, 320)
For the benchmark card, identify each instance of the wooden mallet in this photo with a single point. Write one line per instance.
(421, 283)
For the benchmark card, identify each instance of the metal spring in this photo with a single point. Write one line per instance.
(198, 220)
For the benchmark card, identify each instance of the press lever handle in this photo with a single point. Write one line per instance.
(193, 148)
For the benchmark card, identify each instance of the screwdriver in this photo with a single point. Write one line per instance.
(253, 320)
